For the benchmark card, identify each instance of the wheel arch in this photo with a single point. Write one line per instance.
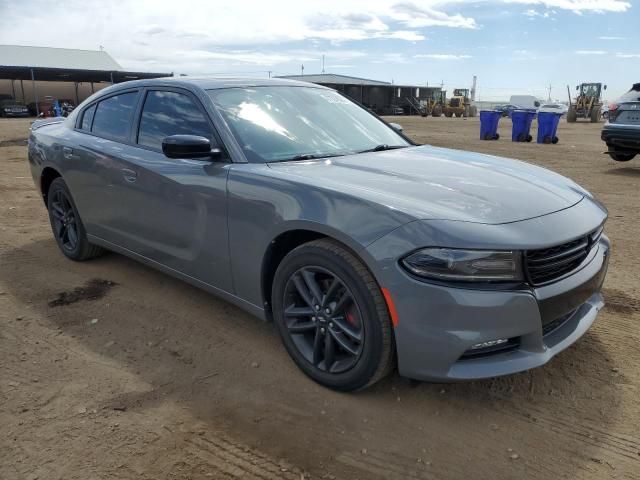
(48, 175)
(288, 239)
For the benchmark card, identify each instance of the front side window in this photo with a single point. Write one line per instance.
(113, 116)
(281, 123)
(170, 113)
(87, 118)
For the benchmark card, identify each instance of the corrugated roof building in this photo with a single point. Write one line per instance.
(61, 73)
(46, 57)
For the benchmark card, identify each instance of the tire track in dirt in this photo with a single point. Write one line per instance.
(235, 460)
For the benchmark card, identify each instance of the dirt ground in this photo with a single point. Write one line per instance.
(109, 369)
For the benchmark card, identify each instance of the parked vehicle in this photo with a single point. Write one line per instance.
(460, 105)
(301, 207)
(588, 103)
(45, 109)
(13, 108)
(437, 103)
(528, 102)
(622, 132)
(553, 108)
(507, 109)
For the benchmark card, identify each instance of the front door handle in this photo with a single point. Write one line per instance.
(67, 152)
(129, 175)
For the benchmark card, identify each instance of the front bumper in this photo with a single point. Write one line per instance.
(447, 321)
(439, 324)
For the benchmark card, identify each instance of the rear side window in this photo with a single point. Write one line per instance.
(87, 118)
(170, 113)
(631, 96)
(113, 116)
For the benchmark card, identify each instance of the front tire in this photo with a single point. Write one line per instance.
(66, 224)
(332, 317)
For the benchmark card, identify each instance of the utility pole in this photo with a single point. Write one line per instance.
(269, 72)
(549, 99)
(301, 70)
(323, 63)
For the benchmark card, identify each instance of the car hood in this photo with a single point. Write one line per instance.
(436, 183)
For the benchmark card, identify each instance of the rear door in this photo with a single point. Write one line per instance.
(102, 133)
(173, 211)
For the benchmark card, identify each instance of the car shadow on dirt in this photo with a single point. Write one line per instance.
(230, 370)
(625, 171)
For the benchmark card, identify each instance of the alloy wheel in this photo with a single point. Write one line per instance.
(323, 319)
(64, 220)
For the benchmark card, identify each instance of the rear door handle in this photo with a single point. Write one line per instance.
(67, 152)
(129, 175)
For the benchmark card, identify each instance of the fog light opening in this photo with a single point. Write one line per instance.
(490, 343)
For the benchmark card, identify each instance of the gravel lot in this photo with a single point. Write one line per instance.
(109, 369)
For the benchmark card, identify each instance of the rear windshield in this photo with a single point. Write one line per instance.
(632, 95)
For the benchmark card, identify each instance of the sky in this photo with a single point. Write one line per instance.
(513, 46)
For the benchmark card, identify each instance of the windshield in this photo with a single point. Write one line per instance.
(286, 123)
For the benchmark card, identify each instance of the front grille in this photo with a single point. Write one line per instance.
(455, 102)
(548, 264)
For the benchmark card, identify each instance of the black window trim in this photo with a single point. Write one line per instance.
(160, 88)
(83, 113)
(127, 139)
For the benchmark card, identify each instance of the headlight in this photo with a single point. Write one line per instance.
(465, 265)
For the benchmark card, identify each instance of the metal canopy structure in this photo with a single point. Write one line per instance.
(381, 97)
(72, 75)
(46, 64)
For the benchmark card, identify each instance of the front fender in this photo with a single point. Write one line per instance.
(262, 206)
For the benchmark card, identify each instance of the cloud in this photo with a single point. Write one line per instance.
(611, 38)
(391, 58)
(628, 55)
(580, 6)
(442, 56)
(591, 52)
(415, 16)
(408, 35)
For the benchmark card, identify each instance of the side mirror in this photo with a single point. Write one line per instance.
(188, 146)
(605, 87)
(577, 87)
(396, 126)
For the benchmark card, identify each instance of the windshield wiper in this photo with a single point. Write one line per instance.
(309, 156)
(382, 147)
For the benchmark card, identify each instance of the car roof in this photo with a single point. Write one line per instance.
(211, 83)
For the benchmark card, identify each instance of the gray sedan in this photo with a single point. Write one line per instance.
(303, 208)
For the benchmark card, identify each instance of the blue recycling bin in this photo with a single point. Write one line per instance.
(521, 125)
(489, 124)
(548, 127)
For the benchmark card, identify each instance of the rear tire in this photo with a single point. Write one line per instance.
(310, 338)
(595, 115)
(621, 157)
(66, 224)
(572, 115)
